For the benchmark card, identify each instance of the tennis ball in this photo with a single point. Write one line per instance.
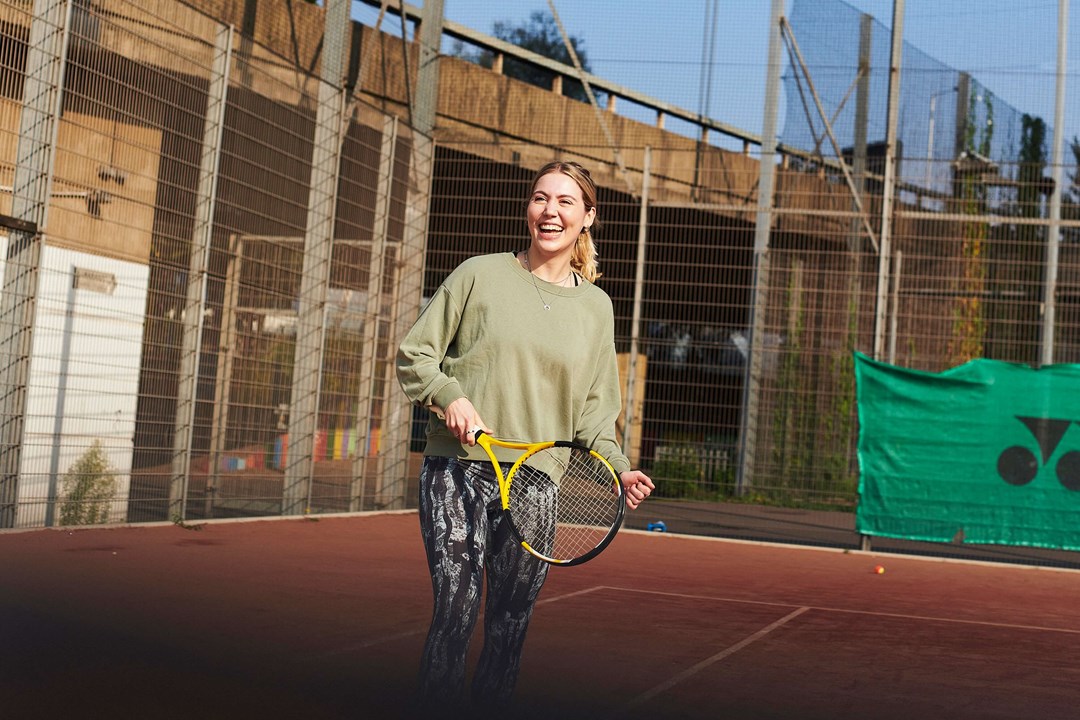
(879, 569)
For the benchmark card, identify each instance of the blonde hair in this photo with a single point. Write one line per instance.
(583, 258)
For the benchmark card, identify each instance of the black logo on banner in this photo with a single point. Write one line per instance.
(1018, 465)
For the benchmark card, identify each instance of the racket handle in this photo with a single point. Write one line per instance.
(477, 432)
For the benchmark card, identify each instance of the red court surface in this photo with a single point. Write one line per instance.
(325, 619)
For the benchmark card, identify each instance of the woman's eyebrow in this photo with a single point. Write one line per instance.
(564, 195)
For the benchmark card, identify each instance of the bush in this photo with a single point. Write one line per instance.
(88, 488)
(677, 473)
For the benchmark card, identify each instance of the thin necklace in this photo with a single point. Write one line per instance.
(528, 266)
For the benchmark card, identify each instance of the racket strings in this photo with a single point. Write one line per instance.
(564, 502)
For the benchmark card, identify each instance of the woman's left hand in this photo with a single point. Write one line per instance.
(637, 485)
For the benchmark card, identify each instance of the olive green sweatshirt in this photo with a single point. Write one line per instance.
(532, 374)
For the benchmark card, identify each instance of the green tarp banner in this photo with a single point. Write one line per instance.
(987, 452)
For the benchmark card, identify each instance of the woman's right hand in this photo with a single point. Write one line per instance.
(461, 417)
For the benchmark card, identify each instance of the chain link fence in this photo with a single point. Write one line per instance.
(233, 244)
(211, 328)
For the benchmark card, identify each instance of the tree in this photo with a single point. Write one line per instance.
(1014, 323)
(1070, 195)
(541, 35)
(1032, 165)
(1074, 184)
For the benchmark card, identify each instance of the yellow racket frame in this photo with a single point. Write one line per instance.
(485, 441)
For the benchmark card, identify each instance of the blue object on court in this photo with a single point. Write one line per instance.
(657, 526)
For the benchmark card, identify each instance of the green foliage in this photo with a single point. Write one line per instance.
(178, 521)
(677, 474)
(689, 469)
(969, 321)
(839, 425)
(1032, 140)
(1070, 195)
(813, 418)
(1074, 187)
(88, 488)
(541, 35)
(792, 452)
(1032, 167)
(976, 140)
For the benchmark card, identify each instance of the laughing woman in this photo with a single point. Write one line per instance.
(521, 345)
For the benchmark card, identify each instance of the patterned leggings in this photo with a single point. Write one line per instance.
(460, 517)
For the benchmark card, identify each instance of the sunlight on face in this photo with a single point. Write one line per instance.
(557, 213)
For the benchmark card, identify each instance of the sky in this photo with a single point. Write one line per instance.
(710, 55)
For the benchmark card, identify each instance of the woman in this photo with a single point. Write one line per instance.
(521, 345)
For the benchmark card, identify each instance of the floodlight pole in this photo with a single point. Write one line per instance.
(748, 425)
(889, 190)
(635, 324)
(1053, 239)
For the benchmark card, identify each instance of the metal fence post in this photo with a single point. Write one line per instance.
(374, 320)
(198, 269)
(318, 250)
(42, 91)
(397, 419)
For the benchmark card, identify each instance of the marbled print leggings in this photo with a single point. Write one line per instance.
(459, 519)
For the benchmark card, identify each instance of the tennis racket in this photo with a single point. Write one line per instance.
(562, 501)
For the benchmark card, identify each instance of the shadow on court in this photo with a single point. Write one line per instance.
(325, 619)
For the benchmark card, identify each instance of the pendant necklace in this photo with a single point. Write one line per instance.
(528, 266)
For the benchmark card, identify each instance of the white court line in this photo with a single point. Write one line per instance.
(851, 611)
(883, 554)
(713, 598)
(799, 610)
(585, 591)
(695, 669)
(413, 633)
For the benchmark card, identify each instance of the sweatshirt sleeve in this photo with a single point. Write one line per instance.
(597, 424)
(421, 353)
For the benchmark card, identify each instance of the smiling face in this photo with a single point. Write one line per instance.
(557, 213)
